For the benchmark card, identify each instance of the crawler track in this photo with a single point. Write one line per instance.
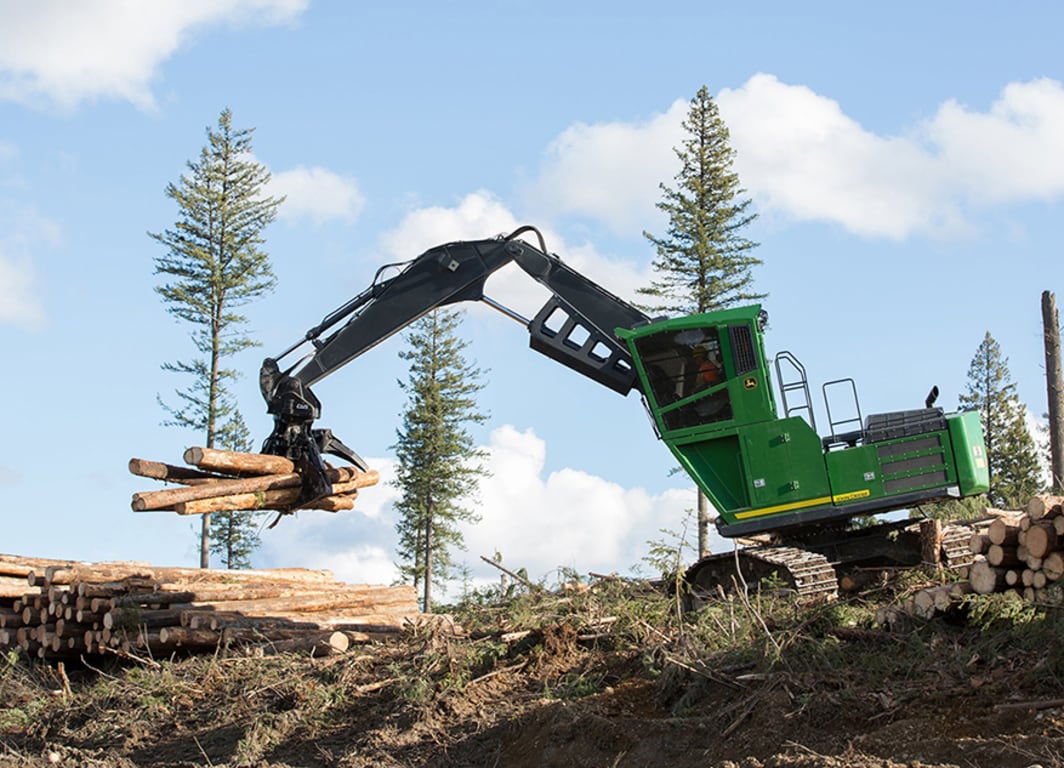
(807, 574)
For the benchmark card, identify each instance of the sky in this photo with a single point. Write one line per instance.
(905, 161)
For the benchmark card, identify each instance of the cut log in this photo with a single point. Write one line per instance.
(985, 578)
(931, 541)
(235, 463)
(157, 470)
(1041, 538)
(1002, 531)
(282, 499)
(59, 575)
(924, 601)
(316, 643)
(1044, 506)
(165, 499)
(1053, 566)
(999, 555)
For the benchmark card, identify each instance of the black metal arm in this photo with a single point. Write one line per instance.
(575, 327)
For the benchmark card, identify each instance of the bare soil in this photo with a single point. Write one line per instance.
(572, 691)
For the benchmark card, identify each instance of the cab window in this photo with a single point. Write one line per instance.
(680, 364)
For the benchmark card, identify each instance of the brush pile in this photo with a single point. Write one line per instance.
(225, 481)
(56, 609)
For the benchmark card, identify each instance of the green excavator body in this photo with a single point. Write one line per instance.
(708, 386)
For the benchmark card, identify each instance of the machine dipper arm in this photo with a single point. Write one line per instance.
(575, 327)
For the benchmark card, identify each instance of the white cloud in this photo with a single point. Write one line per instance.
(478, 215)
(65, 53)
(318, 194)
(800, 156)
(1013, 152)
(567, 518)
(481, 215)
(19, 304)
(23, 231)
(611, 171)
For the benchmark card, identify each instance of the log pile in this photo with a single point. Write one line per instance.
(57, 609)
(223, 481)
(1010, 550)
(1024, 553)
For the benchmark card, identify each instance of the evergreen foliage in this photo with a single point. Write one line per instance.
(703, 261)
(1011, 453)
(234, 535)
(439, 466)
(214, 263)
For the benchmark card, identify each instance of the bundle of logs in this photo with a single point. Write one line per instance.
(56, 609)
(224, 481)
(1024, 552)
(1010, 550)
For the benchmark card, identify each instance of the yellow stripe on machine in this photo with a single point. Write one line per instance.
(783, 507)
(851, 496)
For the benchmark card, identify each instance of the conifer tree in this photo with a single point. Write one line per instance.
(703, 261)
(439, 466)
(1010, 449)
(214, 264)
(234, 535)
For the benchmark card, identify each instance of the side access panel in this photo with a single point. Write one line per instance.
(969, 450)
(784, 467)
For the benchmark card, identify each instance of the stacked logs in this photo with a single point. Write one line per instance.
(57, 609)
(224, 481)
(1023, 553)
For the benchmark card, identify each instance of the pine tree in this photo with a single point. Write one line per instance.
(1010, 449)
(214, 263)
(703, 261)
(235, 535)
(439, 466)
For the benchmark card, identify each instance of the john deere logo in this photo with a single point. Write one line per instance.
(749, 383)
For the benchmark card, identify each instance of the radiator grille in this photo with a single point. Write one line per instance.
(742, 344)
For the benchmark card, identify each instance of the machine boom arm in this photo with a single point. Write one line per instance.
(575, 327)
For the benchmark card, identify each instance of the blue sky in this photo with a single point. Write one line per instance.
(905, 160)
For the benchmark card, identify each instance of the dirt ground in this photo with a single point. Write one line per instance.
(557, 696)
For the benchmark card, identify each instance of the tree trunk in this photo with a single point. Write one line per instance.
(1055, 389)
(931, 542)
(703, 524)
(427, 598)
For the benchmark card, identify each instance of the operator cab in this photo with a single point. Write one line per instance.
(706, 383)
(704, 371)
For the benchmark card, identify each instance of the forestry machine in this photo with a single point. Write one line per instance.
(776, 483)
